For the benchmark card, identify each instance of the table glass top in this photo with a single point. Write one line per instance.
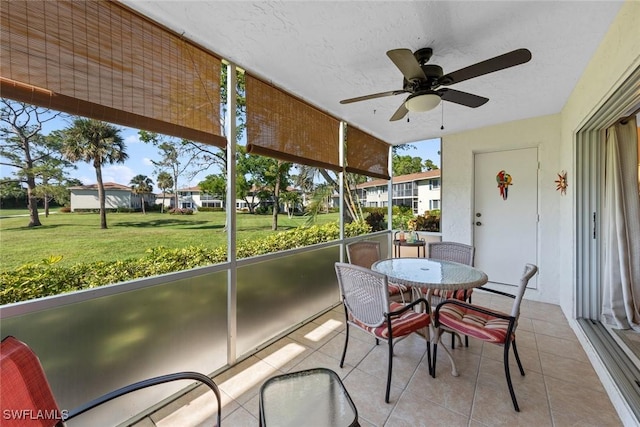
(430, 273)
(314, 397)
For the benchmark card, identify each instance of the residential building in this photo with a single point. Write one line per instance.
(85, 197)
(419, 190)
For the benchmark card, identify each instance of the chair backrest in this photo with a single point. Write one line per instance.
(451, 251)
(25, 395)
(363, 253)
(529, 271)
(365, 293)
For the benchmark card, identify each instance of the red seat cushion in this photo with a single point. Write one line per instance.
(25, 396)
(395, 289)
(474, 324)
(408, 322)
(458, 294)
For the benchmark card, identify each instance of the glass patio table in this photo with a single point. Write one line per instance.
(314, 397)
(429, 274)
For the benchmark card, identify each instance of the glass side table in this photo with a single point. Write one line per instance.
(313, 397)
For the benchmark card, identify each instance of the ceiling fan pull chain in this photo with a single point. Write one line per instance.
(442, 125)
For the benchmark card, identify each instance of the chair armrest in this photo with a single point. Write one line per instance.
(482, 288)
(148, 383)
(409, 307)
(471, 307)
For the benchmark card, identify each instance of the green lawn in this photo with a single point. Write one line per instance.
(77, 237)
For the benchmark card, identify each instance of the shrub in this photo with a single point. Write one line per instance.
(36, 280)
(376, 220)
(65, 209)
(180, 211)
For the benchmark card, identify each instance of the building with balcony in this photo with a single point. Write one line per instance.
(420, 190)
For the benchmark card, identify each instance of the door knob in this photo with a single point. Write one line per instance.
(478, 223)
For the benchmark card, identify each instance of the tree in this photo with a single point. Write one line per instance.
(12, 193)
(429, 165)
(165, 182)
(25, 149)
(291, 199)
(404, 165)
(95, 142)
(141, 185)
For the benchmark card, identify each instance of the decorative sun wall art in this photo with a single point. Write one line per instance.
(504, 181)
(561, 183)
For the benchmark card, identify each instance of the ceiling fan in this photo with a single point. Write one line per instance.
(424, 81)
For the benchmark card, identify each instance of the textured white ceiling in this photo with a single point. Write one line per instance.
(325, 51)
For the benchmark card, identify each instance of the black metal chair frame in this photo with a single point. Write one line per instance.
(510, 329)
(388, 317)
(149, 383)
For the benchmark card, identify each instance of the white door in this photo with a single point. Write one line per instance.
(506, 219)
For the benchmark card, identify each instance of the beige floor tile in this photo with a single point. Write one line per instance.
(410, 412)
(554, 330)
(560, 387)
(452, 393)
(492, 402)
(240, 418)
(561, 347)
(406, 359)
(367, 392)
(356, 349)
(313, 335)
(576, 406)
(528, 356)
(284, 353)
(321, 360)
(581, 374)
(243, 380)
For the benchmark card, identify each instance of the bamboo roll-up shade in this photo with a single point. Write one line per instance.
(284, 127)
(366, 154)
(101, 60)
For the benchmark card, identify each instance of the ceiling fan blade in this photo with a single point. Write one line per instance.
(510, 59)
(372, 96)
(407, 63)
(400, 113)
(462, 98)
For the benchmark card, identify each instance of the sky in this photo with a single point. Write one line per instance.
(141, 154)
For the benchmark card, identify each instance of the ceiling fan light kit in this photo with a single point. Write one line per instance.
(424, 81)
(422, 101)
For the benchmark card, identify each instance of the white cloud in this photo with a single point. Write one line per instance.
(147, 161)
(132, 139)
(117, 173)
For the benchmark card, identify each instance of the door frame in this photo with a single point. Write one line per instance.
(588, 198)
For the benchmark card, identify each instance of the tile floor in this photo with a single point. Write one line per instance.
(560, 387)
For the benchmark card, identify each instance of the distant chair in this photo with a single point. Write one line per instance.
(365, 296)
(366, 252)
(485, 324)
(456, 252)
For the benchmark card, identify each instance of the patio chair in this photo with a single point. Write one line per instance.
(485, 324)
(456, 252)
(364, 253)
(365, 297)
(26, 392)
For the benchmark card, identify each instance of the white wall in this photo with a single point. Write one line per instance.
(457, 189)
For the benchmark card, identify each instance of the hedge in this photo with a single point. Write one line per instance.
(36, 280)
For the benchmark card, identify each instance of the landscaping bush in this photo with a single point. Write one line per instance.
(180, 211)
(64, 209)
(376, 220)
(36, 280)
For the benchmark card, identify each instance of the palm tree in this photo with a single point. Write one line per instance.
(141, 185)
(96, 142)
(165, 182)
